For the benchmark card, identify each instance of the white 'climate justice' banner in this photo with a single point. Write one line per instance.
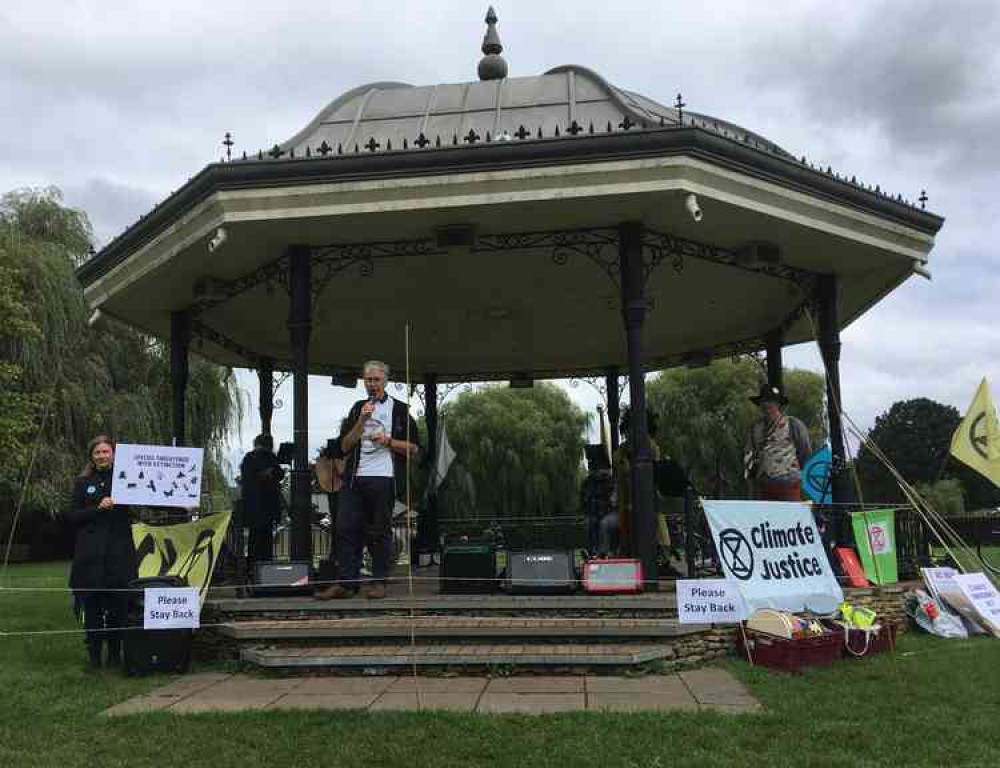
(772, 549)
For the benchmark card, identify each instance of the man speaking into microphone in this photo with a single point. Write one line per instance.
(377, 437)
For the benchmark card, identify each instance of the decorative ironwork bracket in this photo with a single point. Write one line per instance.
(659, 246)
(591, 243)
(600, 386)
(274, 273)
(328, 261)
(203, 331)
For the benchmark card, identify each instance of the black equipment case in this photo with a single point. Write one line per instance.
(281, 579)
(154, 650)
(541, 572)
(468, 567)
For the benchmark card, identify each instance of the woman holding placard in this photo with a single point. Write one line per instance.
(104, 560)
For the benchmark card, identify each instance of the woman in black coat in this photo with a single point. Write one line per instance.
(104, 561)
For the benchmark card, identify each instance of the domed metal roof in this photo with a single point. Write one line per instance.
(568, 101)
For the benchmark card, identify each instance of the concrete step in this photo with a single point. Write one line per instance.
(499, 627)
(661, 604)
(407, 655)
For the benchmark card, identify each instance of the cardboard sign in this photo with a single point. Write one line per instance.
(983, 596)
(157, 475)
(171, 608)
(773, 551)
(709, 601)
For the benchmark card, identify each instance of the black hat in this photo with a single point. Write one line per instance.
(769, 394)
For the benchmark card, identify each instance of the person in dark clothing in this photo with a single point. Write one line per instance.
(104, 559)
(597, 502)
(260, 481)
(378, 437)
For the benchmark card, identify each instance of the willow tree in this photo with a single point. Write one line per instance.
(62, 381)
(705, 416)
(518, 452)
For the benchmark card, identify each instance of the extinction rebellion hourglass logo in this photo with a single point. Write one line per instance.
(736, 553)
(771, 545)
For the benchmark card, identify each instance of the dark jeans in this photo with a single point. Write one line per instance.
(260, 546)
(333, 500)
(104, 614)
(365, 518)
(602, 534)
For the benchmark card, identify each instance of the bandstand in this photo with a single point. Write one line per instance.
(524, 228)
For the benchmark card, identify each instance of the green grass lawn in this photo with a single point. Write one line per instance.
(933, 704)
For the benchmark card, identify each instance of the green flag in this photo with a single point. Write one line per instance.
(875, 534)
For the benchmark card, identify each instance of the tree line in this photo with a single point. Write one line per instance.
(62, 382)
(519, 451)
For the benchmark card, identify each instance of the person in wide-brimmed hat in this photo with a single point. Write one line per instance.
(777, 448)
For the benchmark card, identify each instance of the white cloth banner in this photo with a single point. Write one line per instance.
(445, 456)
(772, 549)
(157, 475)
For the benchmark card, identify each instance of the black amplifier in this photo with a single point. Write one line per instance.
(468, 567)
(147, 651)
(280, 579)
(541, 572)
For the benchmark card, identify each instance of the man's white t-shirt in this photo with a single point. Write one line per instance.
(376, 459)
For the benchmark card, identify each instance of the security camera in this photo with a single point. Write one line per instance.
(691, 203)
(218, 239)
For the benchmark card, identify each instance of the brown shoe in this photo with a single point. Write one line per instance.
(334, 592)
(375, 591)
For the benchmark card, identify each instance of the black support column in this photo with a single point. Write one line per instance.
(180, 342)
(829, 346)
(775, 373)
(634, 314)
(428, 531)
(300, 329)
(265, 379)
(614, 405)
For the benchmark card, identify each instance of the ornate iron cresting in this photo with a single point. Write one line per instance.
(330, 260)
(600, 245)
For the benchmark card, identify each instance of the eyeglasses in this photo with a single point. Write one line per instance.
(373, 379)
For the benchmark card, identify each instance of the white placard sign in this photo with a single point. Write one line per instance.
(709, 601)
(773, 550)
(940, 582)
(171, 608)
(985, 599)
(157, 475)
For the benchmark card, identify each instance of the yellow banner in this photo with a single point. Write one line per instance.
(188, 550)
(976, 442)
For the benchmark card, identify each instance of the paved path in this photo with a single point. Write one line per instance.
(700, 689)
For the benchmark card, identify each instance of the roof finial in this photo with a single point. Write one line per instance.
(492, 66)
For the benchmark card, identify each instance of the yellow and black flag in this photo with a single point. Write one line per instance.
(976, 442)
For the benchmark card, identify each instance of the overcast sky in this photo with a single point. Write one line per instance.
(119, 103)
